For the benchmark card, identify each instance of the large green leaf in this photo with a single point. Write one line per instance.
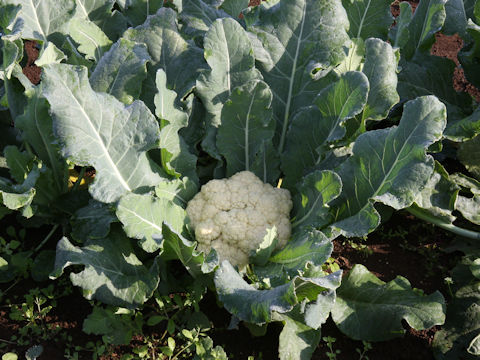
(313, 128)
(20, 196)
(297, 341)
(456, 18)
(388, 166)
(178, 247)
(295, 42)
(256, 306)
(36, 127)
(198, 15)
(142, 217)
(176, 158)
(469, 155)
(470, 55)
(468, 205)
(427, 20)
(113, 274)
(234, 7)
(92, 221)
(180, 60)
(372, 310)
(462, 327)
(439, 195)
(229, 54)
(307, 247)
(121, 70)
(246, 122)
(464, 129)
(368, 18)
(91, 39)
(432, 75)
(399, 34)
(19, 163)
(381, 70)
(178, 191)
(44, 18)
(310, 205)
(96, 129)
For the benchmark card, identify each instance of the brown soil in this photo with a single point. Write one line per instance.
(30, 70)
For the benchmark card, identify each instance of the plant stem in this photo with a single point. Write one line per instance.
(46, 238)
(447, 226)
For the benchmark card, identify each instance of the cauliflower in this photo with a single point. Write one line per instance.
(232, 216)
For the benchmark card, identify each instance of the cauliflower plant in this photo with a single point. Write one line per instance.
(232, 216)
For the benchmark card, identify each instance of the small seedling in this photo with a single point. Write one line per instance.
(331, 354)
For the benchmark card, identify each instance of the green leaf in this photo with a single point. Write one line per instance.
(50, 54)
(176, 157)
(469, 156)
(181, 60)
(309, 37)
(138, 10)
(91, 39)
(469, 206)
(117, 329)
(470, 55)
(439, 195)
(307, 247)
(228, 52)
(44, 18)
(256, 306)
(399, 34)
(464, 129)
(263, 252)
(432, 75)
(43, 265)
(388, 166)
(246, 122)
(372, 310)
(177, 247)
(247, 303)
(113, 274)
(314, 193)
(354, 59)
(267, 163)
(456, 18)
(297, 341)
(307, 139)
(427, 20)
(83, 122)
(381, 70)
(92, 221)
(121, 70)
(12, 54)
(19, 163)
(368, 18)
(36, 127)
(462, 327)
(9, 356)
(179, 191)
(234, 7)
(198, 16)
(142, 217)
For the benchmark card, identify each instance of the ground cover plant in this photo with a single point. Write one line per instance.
(141, 104)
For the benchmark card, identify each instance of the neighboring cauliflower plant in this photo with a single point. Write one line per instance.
(232, 216)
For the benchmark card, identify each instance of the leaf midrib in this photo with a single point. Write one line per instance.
(99, 140)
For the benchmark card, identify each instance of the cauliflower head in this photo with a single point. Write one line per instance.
(232, 215)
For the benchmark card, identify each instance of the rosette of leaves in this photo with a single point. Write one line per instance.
(160, 100)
